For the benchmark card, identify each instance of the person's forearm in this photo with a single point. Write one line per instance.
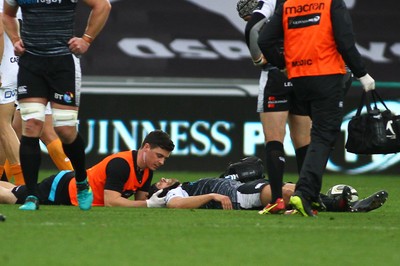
(122, 202)
(269, 41)
(251, 35)
(192, 202)
(97, 19)
(11, 27)
(114, 199)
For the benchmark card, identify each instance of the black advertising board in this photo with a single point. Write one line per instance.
(211, 123)
(204, 39)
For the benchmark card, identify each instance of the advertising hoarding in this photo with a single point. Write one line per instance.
(211, 123)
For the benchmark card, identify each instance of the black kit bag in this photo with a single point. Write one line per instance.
(247, 169)
(373, 132)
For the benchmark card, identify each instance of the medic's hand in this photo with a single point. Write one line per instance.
(367, 82)
(155, 201)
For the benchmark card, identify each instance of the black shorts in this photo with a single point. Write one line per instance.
(56, 78)
(52, 190)
(249, 194)
(254, 186)
(276, 94)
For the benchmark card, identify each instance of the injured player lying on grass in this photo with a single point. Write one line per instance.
(221, 193)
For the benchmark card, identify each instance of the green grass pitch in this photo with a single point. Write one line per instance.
(62, 235)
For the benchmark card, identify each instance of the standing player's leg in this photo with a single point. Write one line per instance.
(300, 128)
(32, 100)
(9, 140)
(65, 106)
(53, 143)
(8, 90)
(48, 137)
(32, 113)
(274, 124)
(273, 106)
(2, 162)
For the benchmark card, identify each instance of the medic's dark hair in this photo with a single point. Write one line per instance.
(159, 138)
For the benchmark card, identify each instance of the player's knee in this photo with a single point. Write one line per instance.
(63, 117)
(32, 111)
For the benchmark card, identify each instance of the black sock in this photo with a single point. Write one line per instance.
(76, 153)
(30, 157)
(275, 162)
(300, 155)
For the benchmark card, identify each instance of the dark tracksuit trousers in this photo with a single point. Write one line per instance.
(324, 97)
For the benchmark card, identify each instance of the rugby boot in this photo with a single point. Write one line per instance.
(318, 205)
(370, 203)
(84, 195)
(278, 207)
(31, 204)
(301, 204)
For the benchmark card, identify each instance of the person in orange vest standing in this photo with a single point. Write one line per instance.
(318, 41)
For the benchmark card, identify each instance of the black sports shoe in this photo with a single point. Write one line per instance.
(318, 205)
(370, 203)
(345, 199)
(301, 204)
